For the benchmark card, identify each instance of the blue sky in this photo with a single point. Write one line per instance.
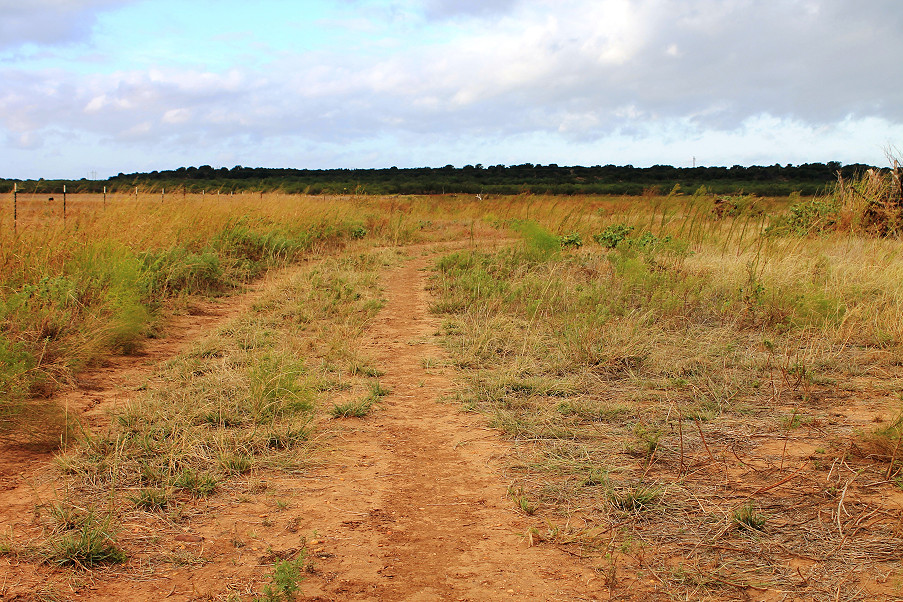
(109, 86)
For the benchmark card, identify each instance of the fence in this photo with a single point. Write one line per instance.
(43, 205)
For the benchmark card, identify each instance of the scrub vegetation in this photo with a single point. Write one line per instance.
(681, 391)
(702, 389)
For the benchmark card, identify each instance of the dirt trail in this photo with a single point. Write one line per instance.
(416, 505)
(409, 503)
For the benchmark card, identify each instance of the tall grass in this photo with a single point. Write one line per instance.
(868, 204)
(73, 291)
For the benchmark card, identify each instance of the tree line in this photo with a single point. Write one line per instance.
(774, 180)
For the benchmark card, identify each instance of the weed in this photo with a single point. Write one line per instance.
(67, 516)
(540, 243)
(523, 502)
(377, 390)
(747, 517)
(595, 477)
(288, 437)
(646, 441)
(235, 463)
(886, 444)
(359, 367)
(285, 579)
(195, 483)
(613, 235)
(358, 408)
(570, 240)
(609, 572)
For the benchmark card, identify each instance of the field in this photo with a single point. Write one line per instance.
(276, 397)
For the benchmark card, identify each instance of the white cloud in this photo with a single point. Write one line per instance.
(176, 116)
(444, 9)
(49, 22)
(583, 73)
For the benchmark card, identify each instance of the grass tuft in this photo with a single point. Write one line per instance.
(633, 500)
(748, 518)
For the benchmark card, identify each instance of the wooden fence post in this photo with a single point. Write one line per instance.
(104, 197)
(64, 202)
(15, 206)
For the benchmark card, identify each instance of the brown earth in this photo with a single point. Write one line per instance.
(410, 503)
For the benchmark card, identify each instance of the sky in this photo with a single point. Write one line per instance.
(91, 88)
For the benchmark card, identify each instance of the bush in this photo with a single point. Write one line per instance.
(870, 204)
(571, 240)
(809, 217)
(613, 235)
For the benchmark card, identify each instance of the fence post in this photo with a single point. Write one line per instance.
(15, 206)
(162, 194)
(64, 202)
(104, 197)
(136, 194)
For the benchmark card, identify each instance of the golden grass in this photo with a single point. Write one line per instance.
(699, 404)
(697, 407)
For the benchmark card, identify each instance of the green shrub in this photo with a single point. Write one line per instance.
(809, 217)
(284, 580)
(613, 235)
(571, 240)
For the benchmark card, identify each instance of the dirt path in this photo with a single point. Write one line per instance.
(409, 503)
(415, 505)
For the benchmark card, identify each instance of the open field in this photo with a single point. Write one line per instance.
(274, 397)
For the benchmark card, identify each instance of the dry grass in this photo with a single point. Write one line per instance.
(710, 405)
(244, 399)
(75, 290)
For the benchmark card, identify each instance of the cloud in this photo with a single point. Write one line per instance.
(579, 72)
(445, 9)
(49, 22)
